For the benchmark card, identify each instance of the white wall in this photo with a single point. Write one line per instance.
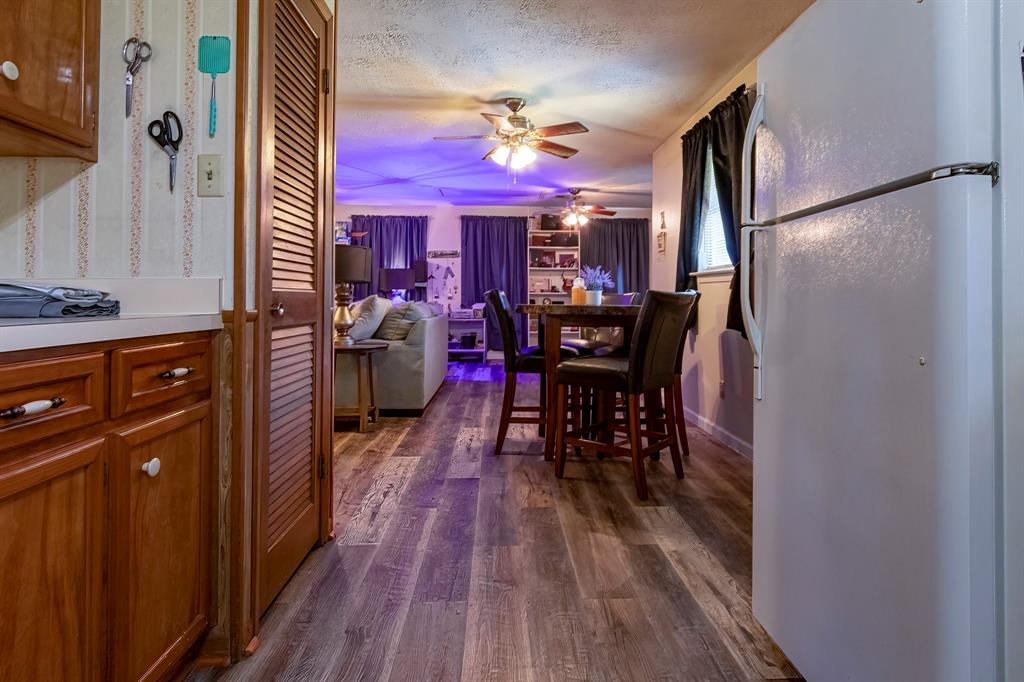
(713, 355)
(64, 218)
(444, 231)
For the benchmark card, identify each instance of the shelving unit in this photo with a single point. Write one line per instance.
(553, 257)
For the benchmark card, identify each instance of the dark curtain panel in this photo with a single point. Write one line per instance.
(695, 150)
(621, 246)
(728, 126)
(395, 241)
(494, 257)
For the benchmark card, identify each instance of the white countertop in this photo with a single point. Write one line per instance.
(25, 334)
(149, 307)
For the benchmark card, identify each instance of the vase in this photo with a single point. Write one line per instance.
(594, 297)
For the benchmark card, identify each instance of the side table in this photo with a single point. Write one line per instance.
(367, 408)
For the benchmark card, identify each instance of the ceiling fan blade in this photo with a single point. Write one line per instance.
(489, 154)
(590, 207)
(601, 211)
(461, 137)
(499, 122)
(554, 148)
(562, 129)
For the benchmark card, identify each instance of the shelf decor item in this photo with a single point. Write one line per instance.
(579, 292)
(596, 280)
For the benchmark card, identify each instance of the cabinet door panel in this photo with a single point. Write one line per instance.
(53, 43)
(159, 579)
(52, 512)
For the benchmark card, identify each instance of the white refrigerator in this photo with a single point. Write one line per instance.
(874, 321)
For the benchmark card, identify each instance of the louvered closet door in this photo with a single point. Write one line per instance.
(292, 248)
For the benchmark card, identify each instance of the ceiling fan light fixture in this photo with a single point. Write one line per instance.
(570, 219)
(500, 155)
(522, 156)
(582, 219)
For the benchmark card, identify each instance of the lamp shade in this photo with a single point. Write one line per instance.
(351, 263)
(396, 278)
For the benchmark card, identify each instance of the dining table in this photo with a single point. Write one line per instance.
(552, 318)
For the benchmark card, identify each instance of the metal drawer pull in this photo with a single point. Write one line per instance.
(177, 372)
(34, 407)
(152, 467)
(277, 310)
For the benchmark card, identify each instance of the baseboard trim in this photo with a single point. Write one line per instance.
(716, 432)
(410, 412)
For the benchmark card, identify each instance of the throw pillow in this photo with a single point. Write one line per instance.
(368, 314)
(400, 319)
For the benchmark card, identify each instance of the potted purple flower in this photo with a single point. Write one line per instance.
(596, 280)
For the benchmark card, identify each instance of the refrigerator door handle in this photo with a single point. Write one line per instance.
(747, 168)
(754, 332)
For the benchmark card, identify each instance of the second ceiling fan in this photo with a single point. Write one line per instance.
(576, 213)
(518, 138)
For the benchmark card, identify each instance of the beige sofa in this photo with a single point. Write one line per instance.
(405, 376)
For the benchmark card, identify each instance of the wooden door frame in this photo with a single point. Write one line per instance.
(246, 557)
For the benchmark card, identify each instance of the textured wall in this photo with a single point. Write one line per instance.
(64, 218)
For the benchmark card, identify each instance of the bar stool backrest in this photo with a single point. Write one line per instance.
(657, 340)
(500, 310)
(690, 322)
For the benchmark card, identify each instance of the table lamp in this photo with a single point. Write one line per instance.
(397, 279)
(351, 265)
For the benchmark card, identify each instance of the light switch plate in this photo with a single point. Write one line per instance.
(209, 175)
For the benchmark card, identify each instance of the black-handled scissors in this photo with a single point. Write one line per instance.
(167, 133)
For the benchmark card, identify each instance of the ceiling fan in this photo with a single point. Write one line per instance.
(576, 212)
(518, 138)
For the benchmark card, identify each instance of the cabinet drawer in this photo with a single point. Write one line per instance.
(149, 375)
(74, 387)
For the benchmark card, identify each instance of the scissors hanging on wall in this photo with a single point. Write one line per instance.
(134, 53)
(167, 133)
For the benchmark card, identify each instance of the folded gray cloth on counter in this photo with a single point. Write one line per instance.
(25, 299)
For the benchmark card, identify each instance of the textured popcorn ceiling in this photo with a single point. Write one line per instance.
(630, 70)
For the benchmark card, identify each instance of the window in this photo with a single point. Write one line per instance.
(713, 253)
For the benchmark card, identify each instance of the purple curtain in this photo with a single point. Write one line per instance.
(622, 246)
(395, 241)
(494, 257)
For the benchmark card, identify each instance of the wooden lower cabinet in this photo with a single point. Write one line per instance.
(106, 519)
(52, 511)
(159, 581)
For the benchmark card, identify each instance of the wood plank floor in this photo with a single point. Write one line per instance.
(453, 564)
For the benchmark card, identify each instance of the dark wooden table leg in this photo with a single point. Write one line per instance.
(552, 352)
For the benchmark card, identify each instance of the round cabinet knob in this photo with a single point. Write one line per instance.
(10, 70)
(152, 467)
(277, 310)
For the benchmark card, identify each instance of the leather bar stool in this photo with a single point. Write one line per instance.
(655, 404)
(528, 360)
(590, 341)
(599, 341)
(649, 368)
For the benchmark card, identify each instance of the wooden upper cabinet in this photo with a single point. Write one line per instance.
(50, 108)
(52, 512)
